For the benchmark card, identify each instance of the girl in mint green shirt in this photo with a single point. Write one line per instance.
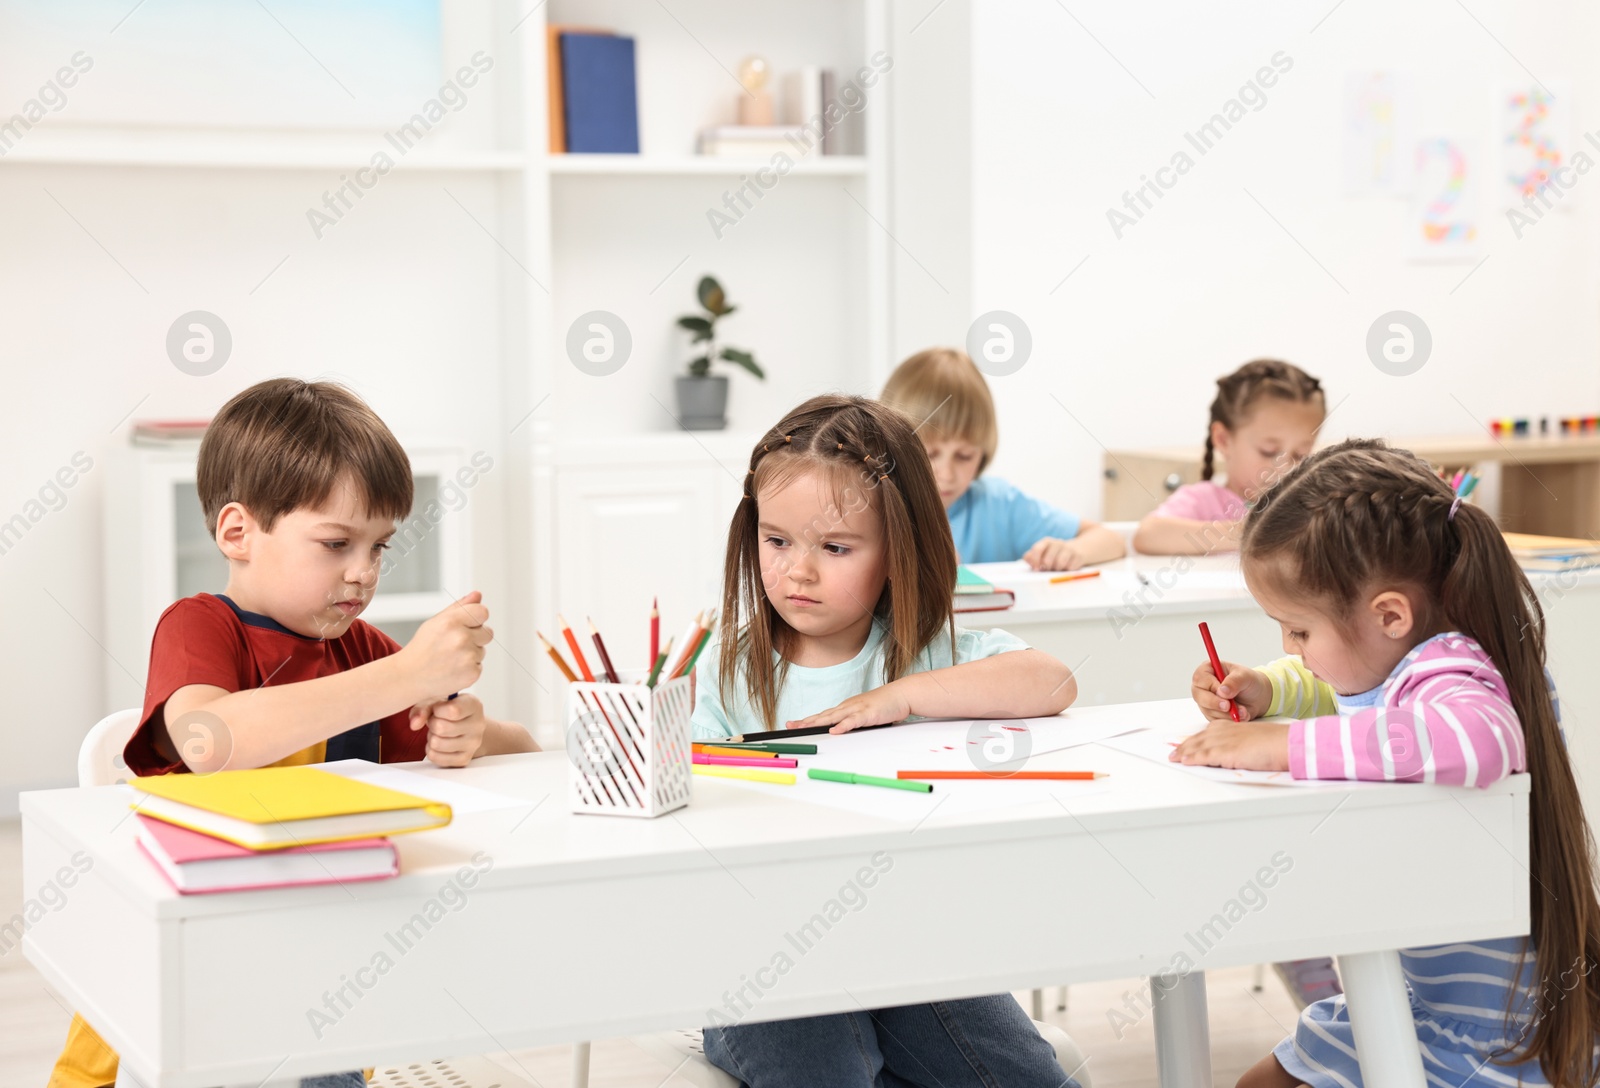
(837, 611)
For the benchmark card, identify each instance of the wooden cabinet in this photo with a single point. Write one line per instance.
(1539, 485)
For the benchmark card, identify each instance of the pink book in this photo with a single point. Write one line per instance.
(194, 863)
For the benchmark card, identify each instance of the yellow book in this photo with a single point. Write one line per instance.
(275, 807)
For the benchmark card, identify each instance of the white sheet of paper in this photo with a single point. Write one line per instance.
(461, 798)
(1157, 745)
(954, 745)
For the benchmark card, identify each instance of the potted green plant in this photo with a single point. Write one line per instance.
(703, 396)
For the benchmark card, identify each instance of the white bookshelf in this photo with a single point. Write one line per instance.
(809, 269)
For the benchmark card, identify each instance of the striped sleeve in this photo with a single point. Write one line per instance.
(1295, 692)
(1446, 718)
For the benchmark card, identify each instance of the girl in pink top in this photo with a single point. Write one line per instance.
(1419, 658)
(1263, 422)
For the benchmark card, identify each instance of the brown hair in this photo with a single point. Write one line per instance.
(945, 394)
(1237, 394)
(285, 443)
(1359, 514)
(872, 456)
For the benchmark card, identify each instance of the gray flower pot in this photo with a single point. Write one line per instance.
(702, 402)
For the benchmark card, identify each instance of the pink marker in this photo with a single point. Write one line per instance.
(741, 761)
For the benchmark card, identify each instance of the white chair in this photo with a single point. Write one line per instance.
(684, 1053)
(100, 755)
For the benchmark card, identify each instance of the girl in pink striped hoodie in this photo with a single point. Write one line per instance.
(1419, 658)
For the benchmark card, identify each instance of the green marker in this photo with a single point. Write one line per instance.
(849, 778)
(776, 749)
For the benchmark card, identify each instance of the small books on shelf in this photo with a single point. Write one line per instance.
(591, 87)
(275, 807)
(1552, 554)
(973, 594)
(752, 141)
(168, 432)
(194, 863)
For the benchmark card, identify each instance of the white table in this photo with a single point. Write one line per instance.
(1132, 633)
(590, 926)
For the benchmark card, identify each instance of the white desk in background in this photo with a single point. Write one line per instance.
(1132, 633)
(584, 927)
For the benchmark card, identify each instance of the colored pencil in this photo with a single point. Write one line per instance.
(655, 670)
(655, 630)
(572, 644)
(762, 746)
(686, 666)
(719, 750)
(1216, 666)
(850, 778)
(1075, 576)
(555, 655)
(686, 642)
(737, 761)
(1064, 776)
(803, 731)
(605, 658)
(752, 774)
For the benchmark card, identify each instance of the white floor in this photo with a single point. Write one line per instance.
(1244, 1025)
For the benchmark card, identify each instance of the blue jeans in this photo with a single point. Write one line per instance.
(982, 1042)
(335, 1080)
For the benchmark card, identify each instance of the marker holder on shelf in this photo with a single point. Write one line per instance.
(628, 747)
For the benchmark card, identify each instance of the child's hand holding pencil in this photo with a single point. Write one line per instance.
(1245, 689)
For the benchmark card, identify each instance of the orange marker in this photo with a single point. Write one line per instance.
(577, 654)
(714, 750)
(555, 655)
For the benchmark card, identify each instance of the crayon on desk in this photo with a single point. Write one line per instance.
(782, 778)
(1076, 576)
(742, 761)
(852, 779)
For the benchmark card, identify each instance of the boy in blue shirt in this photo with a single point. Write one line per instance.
(992, 521)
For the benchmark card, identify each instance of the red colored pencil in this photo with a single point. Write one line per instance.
(605, 658)
(572, 644)
(1216, 667)
(655, 631)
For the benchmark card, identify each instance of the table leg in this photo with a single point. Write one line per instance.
(1183, 1034)
(1381, 1019)
(1037, 1009)
(580, 1065)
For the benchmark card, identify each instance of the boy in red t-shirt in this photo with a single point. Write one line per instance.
(302, 485)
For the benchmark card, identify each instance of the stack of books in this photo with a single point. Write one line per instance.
(592, 92)
(752, 141)
(974, 594)
(1552, 554)
(275, 827)
(168, 432)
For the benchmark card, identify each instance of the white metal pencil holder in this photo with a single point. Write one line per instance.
(628, 748)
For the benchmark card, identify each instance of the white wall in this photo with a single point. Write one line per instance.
(1132, 343)
(399, 300)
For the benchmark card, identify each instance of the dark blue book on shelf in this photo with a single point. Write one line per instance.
(597, 79)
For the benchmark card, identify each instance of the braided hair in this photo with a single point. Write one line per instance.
(872, 456)
(1359, 516)
(1237, 394)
